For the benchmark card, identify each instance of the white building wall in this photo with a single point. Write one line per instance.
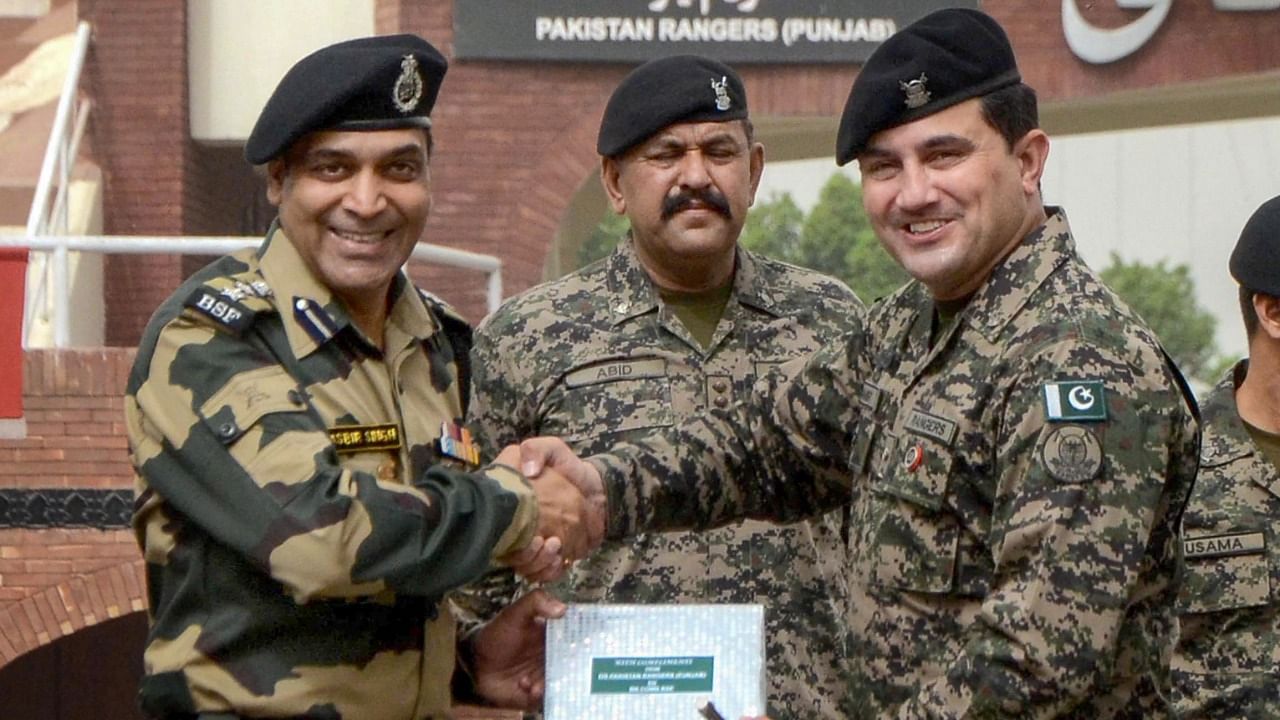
(1177, 193)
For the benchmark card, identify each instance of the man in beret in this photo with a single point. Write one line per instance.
(306, 499)
(678, 319)
(1225, 664)
(1014, 448)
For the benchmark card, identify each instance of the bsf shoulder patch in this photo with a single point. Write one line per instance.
(1071, 454)
(222, 310)
(1076, 400)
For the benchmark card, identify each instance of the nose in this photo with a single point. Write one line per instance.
(916, 189)
(364, 196)
(693, 171)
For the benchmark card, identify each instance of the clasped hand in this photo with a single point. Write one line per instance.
(571, 507)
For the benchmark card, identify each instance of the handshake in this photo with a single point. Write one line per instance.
(572, 507)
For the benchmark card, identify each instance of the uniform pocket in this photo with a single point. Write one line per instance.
(1227, 623)
(916, 538)
(611, 397)
(1225, 583)
(261, 419)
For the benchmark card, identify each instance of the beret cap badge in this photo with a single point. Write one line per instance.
(917, 94)
(721, 88)
(966, 55)
(408, 88)
(666, 91)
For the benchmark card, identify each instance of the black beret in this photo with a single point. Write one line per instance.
(669, 90)
(1255, 263)
(938, 61)
(372, 83)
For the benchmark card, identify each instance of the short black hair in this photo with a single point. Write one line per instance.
(1012, 111)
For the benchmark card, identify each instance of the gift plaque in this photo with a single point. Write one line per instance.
(655, 661)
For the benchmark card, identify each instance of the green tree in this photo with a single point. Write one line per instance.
(832, 227)
(839, 220)
(1165, 298)
(603, 239)
(773, 228)
(836, 238)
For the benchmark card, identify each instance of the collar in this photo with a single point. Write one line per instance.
(632, 292)
(1225, 437)
(1014, 281)
(314, 316)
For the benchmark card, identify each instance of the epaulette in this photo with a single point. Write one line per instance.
(458, 332)
(440, 306)
(230, 303)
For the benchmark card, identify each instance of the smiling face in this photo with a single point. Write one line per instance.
(686, 191)
(949, 198)
(354, 204)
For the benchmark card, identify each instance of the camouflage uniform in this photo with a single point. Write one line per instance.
(596, 358)
(295, 568)
(1228, 659)
(1000, 564)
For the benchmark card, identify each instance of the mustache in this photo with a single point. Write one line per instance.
(673, 204)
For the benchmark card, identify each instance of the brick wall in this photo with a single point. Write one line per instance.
(137, 76)
(54, 581)
(75, 422)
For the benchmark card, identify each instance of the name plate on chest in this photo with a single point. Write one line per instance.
(365, 438)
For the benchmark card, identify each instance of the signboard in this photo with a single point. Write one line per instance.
(655, 661)
(632, 31)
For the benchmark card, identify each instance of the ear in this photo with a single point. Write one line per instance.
(610, 177)
(1032, 151)
(276, 171)
(1267, 308)
(757, 168)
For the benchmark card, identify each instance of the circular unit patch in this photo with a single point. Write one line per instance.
(1071, 454)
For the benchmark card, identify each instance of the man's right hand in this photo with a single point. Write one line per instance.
(570, 524)
(543, 454)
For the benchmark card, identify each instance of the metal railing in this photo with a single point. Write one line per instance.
(59, 157)
(61, 245)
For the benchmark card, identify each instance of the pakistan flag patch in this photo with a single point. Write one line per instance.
(1075, 401)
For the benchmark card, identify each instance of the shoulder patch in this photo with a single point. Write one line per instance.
(1075, 400)
(229, 314)
(1071, 454)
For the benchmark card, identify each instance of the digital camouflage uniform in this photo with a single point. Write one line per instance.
(596, 358)
(1001, 564)
(1228, 660)
(294, 567)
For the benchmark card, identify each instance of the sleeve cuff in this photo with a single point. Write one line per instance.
(524, 521)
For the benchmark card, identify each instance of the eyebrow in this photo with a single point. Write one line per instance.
(948, 141)
(716, 138)
(933, 143)
(329, 153)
